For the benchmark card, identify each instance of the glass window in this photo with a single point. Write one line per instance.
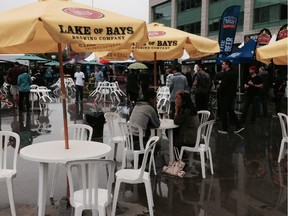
(162, 14)
(261, 15)
(194, 28)
(283, 11)
(184, 5)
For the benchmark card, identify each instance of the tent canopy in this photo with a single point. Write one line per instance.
(243, 55)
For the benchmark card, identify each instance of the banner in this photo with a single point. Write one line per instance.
(227, 31)
(282, 32)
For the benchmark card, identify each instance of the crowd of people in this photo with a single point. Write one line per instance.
(191, 92)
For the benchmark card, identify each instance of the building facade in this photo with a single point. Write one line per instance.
(202, 17)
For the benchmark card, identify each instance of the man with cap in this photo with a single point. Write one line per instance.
(253, 87)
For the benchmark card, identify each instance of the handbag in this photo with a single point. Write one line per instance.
(176, 167)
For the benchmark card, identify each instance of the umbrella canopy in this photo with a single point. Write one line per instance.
(52, 63)
(278, 51)
(31, 58)
(165, 43)
(137, 66)
(243, 55)
(49, 25)
(38, 27)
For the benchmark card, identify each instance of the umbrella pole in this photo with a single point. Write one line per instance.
(63, 95)
(155, 70)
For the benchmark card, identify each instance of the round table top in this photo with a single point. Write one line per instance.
(55, 152)
(167, 124)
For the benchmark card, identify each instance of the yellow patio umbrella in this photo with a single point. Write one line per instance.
(166, 43)
(50, 25)
(278, 51)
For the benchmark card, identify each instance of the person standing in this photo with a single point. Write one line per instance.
(178, 82)
(12, 78)
(201, 84)
(227, 94)
(264, 92)
(132, 86)
(253, 86)
(99, 77)
(24, 82)
(169, 74)
(79, 83)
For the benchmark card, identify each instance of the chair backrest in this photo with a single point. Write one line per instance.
(33, 86)
(148, 154)
(204, 133)
(8, 138)
(79, 132)
(129, 131)
(284, 124)
(204, 115)
(111, 119)
(88, 180)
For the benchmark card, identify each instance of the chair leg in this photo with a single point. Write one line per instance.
(53, 183)
(111, 154)
(281, 151)
(11, 196)
(154, 165)
(115, 197)
(78, 211)
(149, 197)
(136, 161)
(202, 158)
(211, 162)
(102, 212)
(124, 158)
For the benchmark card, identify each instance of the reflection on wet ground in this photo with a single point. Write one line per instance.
(247, 179)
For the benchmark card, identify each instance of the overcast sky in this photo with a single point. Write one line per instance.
(133, 8)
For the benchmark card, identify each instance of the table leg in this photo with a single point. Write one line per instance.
(171, 145)
(42, 191)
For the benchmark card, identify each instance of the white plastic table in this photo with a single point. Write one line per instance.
(55, 152)
(168, 124)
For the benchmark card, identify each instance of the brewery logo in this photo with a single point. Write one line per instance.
(156, 33)
(229, 22)
(85, 13)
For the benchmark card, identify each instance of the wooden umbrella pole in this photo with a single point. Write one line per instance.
(155, 71)
(63, 95)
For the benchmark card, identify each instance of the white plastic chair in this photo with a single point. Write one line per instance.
(129, 131)
(112, 120)
(284, 127)
(8, 162)
(201, 146)
(75, 132)
(90, 195)
(137, 176)
(43, 97)
(204, 115)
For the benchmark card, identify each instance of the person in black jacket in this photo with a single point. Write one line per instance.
(227, 94)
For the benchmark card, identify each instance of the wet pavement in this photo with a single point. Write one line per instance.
(247, 179)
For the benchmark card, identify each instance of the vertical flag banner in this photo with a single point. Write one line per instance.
(227, 31)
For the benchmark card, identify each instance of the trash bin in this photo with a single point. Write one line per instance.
(96, 120)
